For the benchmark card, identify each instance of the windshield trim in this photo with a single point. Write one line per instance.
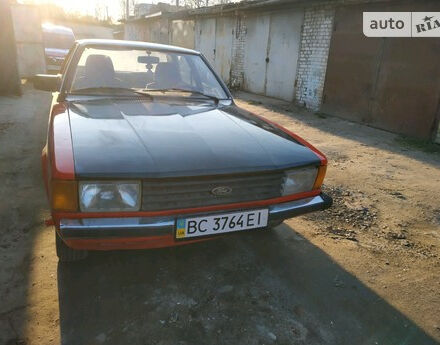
(80, 48)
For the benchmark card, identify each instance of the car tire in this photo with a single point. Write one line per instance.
(67, 254)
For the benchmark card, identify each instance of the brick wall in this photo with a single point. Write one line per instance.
(312, 63)
(237, 60)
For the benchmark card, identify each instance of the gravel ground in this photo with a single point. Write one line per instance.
(363, 272)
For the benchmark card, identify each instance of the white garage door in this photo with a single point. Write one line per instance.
(256, 53)
(205, 38)
(285, 35)
(271, 54)
(223, 47)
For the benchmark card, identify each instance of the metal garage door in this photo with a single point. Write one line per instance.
(284, 42)
(257, 34)
(205, 38)
(390, 83)
(271, 53)
(223, 47)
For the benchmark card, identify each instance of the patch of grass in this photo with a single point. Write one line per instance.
(253, 102)
(321, 115)
(418, 144)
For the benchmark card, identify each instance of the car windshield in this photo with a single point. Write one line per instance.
(111, 71)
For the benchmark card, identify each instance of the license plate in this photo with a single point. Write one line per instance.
(220, 223)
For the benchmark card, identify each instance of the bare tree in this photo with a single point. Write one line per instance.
(193, 3)
(203, 3)
(99, 11)
(124, 6)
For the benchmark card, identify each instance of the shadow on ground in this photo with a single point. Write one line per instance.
(253, 288)
(23, 204)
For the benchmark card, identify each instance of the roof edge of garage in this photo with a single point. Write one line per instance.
(245, 6)
(257, 5)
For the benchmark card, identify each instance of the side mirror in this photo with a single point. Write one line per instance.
(47, 82)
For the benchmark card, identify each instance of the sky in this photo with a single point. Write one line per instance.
(87, 7)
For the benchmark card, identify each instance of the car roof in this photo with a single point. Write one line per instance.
(136, 45)
(57, 29)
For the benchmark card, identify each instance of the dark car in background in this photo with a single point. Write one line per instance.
(146, 148)
(57, 42)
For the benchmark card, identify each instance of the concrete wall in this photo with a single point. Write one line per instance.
(29, 40)
(9, 78)
(312, 62)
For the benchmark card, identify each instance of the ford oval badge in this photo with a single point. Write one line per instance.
(221, 191)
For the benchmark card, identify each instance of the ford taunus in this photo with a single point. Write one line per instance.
(146, 148)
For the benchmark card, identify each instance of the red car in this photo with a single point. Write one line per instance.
(146, 148)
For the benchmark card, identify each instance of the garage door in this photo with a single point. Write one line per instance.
(205, 38)
(223, 47)
(257, 34)
(285, 35)
(271, 53)
(389, 83)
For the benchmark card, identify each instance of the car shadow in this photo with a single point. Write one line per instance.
(251, 288)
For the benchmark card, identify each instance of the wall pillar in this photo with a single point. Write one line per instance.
(312, 63)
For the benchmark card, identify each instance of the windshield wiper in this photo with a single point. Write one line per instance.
(108, 91)
(214, 98)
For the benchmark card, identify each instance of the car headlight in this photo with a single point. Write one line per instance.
(109, 196)
(299, 180)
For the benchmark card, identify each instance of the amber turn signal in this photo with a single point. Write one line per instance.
(320, 177)
(64, 195)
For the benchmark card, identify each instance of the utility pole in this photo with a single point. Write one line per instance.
(127, 9)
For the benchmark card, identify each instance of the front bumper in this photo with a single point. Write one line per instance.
(142, 227)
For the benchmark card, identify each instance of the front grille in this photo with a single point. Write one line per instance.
(179, 193)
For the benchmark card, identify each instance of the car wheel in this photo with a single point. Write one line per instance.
(67, 254)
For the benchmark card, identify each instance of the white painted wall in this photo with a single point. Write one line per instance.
(312, 66)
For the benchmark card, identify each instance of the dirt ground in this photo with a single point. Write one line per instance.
(366, 271)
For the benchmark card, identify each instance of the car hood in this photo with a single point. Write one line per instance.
(139, 138)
